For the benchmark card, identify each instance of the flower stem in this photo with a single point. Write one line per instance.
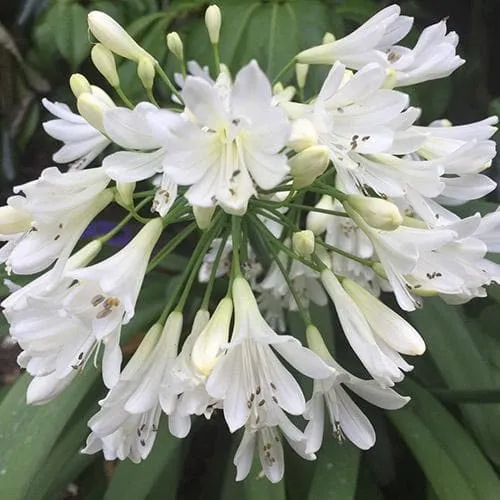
(123, 97)
(283, 70)
(236, 237)
(168, 82)
(106, 237)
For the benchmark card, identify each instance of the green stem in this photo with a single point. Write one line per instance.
(320, 187)
(283, 70)
(152, 98)
(215, 50)
(106, 237)
(167, 81)
(365, 262)
(213, 272)
(197, 258)
(171, 245)
(123, 97)
(271, 204)
(236, 238)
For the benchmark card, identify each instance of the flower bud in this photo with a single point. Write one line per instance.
(387, 324)
(328, 37)
(303, 242)
(307, 165)
(318, 221)
(114, 37)
(125, 194)
(376, 212)
(79, 84)
(175, 45)
(203, 215)
(146, 72)
(301, 74)
(321, 54)
(13, 221)
(85, 255)
(316, 343)
(104, 61)
(92, 109)
(303, 135)
(210, 343)
(213, 21)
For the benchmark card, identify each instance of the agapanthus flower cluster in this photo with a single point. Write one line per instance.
(328, 200)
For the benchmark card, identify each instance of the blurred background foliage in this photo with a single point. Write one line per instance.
(444, 445)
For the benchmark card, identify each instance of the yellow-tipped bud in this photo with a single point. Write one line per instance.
(213, 21)
(79, 85)
(114, 37)
(14, 221)
(301, 74)
(203, 215)
(303, 242)
(317, 221)
(307, 165)
(146, 72)
(376, 212)
(92, 109)
(104, 61)
(328, 37)
(303, 135)
(175, 45)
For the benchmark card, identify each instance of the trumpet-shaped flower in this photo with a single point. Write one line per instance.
(249, 379)
(233, 140)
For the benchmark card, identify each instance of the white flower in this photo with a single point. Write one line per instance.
(106, 293)
(143, 130)
(345, 416)
(434, 56)
(82, 142)
(249, 378)
(364, 45)
(61, 206)
(236, 139)
(165, 196)
(382, 361)
(224, 264)
(126, 424)
(267, 441)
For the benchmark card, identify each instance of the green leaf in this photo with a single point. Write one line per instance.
(336, 471)
(71, 33)
(135, 481)
(461, 365)
(446, 478)
(473, 465)
(27, 433)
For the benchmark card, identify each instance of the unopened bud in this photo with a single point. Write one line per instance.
(376, 212)
(307, 165)
(210, 344)
(328, 37)
(13, 221)
(104, 61)
(301, 74)
(316, 343)
(146, 72)
(79, 84)
(125, 195)
(203, 215)
(114, 37)
(92, 109)
(303, 242)
(318, 221)
(303, 135)
(85, 255)
(175, 45)
(321, 54)
(213, 21)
